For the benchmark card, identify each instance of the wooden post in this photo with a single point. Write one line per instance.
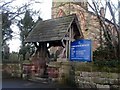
(72, 64)
(70, 39)
(66, 50)
(45, 50)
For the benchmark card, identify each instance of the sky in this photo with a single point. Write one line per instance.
(45, 9)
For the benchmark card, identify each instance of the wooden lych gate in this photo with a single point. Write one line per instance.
(58, 32)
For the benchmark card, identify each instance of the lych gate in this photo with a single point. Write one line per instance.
(54, 32)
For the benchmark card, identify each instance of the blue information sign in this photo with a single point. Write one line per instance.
(81, 50)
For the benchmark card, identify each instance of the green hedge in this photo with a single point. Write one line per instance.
(107, 63)
(99, 65)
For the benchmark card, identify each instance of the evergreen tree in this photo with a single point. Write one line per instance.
(6, 30)
(26, 25)
(6, 34)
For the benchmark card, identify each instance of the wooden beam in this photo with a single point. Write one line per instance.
(70, 36)
(66, 49)
(70, 40)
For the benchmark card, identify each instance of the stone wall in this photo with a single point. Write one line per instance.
(11, 70)
(85, 79)
(97, 80)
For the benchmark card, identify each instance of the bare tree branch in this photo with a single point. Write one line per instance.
(6, 4)
(106, 29)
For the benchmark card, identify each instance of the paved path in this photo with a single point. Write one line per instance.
(19, 83)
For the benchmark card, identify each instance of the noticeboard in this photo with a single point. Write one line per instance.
(81, 50)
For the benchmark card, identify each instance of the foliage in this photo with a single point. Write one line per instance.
(105, 53)
(105, 58)
(24, 50)
(25, 25)
(107, 65)
(5, 52)
(12, 14)
(6, 30)
(14, 56)
(99, 66)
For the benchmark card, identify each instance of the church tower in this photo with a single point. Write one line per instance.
(65, 8)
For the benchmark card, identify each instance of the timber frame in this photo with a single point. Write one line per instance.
(55, 32)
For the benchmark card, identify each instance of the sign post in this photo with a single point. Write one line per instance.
(81, 50)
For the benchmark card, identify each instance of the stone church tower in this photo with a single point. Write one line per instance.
(66, 8)
(88, 21)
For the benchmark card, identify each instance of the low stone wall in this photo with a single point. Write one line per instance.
(11, 70)
(86, 79)
(97, 80)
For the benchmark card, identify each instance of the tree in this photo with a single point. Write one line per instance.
(6, 52)
(6, 34)
(6, 30)
(12, 14)
(26, 25)
(8, 18)
(111, 40)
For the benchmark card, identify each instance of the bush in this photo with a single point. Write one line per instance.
(107, 65)
(99, 66)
